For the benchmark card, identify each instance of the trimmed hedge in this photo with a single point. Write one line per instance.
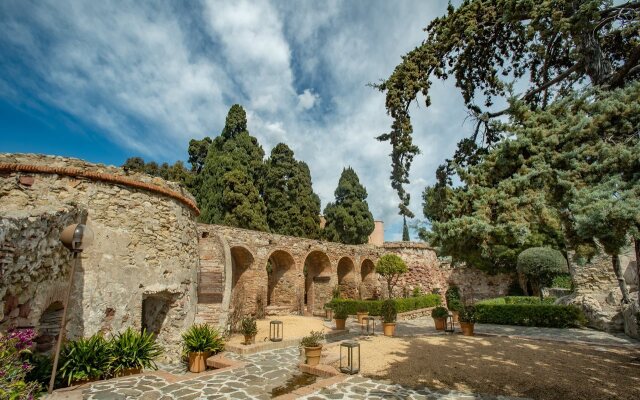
(543, 315)
(374, 306)
(519, 300)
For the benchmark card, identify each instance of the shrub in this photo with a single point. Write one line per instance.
(541, 265)
(132, 350)
(452, 294)
(454, 305)
(314, 339)
(519, 300)
(374, 306)
(467, 314)
(339, 310)
(86, 359)
(439, 312)
(203, 338)
(417, 291)
(13, 368)
(562, 281)
(389, 311)
(390, 267)
(249, 326)
(543, 315)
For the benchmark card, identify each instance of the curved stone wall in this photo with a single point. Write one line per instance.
(141, 268)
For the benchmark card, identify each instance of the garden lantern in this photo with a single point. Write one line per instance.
(328, 313)
(350, 365)
(368, 323)
(449, 326)
(275, 331)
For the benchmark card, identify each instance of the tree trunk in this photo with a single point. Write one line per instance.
(389, 287)
(617, 269)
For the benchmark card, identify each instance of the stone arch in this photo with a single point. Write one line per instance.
(367, 278)
(347, 278)
(49, 326)
(242, 261)
(282, 287)
(317, 267)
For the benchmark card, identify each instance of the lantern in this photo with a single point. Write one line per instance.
(368, 323)
(328, 313)
(449, 326)
(275, 331)
(351, 363)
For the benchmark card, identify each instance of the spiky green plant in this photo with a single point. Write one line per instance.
(202, 337)
(132, 350)
(85, 359)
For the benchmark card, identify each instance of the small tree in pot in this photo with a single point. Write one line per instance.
(340, 316)
(439, 315)
(390, 267)
(249, 329)
(455, 306)
(200, 342)
(467, 320)
(362, 312)
(389, 313)
(312, 347)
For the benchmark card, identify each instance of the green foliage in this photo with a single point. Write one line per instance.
(519, 300)
(452, 295)
(542, 315)
(292, 206)
(405, 230)
(439, 312)
(455, 305)
(417, 291)
(198, 150)
(41, 368)
(132, 349)
(374, 307)
(175, 173)
(467, 314)
(389, 311)
(203, 338)
(348, 219)
(86, 359)
(314, 339)
(335, 292)
(390, 267)
(248, 326)
(563, 281)
(340, 311)
(541, 265)
(13, 370)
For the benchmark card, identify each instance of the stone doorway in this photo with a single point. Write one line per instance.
(155, 307)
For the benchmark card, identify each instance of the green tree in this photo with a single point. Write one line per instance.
(348, 219)
(541, 265)
(174, 173)
(390, 267)
(292, 206)
(242, 203)
(485, 45)
(198, 150)
(405, 230)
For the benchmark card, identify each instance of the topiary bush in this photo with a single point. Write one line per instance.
(452, 295)
(389, 311)
(542, 315)
(390, 267)
(541, 265)
(374, 306)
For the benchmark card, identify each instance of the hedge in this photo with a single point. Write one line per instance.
(402, 304)
(543, 315)
(519, 300)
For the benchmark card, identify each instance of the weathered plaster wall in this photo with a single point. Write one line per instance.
(145, 247)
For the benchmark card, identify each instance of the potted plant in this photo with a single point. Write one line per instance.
(455, 306)
(85, 360)
(249, 329)
(467, 320)
(312, 347)
(340, 316)
(362, 312)
(439, 315)
(199, 342)
(132, 351)
(389, 313)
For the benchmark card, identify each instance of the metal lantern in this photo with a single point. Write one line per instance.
(368, 326)
(449, 327)
(275, 331)
(328, 313)
(350, 365)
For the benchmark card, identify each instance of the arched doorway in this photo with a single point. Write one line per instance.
(347, 278)
(368, 279)
(242, 302)
(282, 287)
(317, 287)
(49, 327)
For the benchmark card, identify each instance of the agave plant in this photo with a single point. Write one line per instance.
(134, 350)
(85, 359)
(201, 338)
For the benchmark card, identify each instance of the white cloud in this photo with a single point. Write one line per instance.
(307, 100)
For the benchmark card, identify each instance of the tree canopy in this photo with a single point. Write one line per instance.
(390, 267)
(541, 265)
(348, 219)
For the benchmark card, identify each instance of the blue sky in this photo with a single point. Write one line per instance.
(105, 81)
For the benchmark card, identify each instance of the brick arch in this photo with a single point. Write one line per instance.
(242, 275)
(318, 280)
(368, 281)
(347, 277)
(282, 280)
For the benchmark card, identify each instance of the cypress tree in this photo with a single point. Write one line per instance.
(349, 220)
(405, 230)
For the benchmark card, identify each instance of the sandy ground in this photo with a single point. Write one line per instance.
(504, 366)
(293, 327)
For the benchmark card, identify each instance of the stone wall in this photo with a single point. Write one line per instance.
(145, 250)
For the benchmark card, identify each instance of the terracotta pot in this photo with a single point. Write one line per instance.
(340, 324)
(249, 339)
(389, 328)
(197, 361)
(467, 328)
(455, 316)
(361, 315)
(313, 355)
(130, 371)
(440, 323)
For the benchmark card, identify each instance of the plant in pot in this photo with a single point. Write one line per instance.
(312, 347)
(199, 342)
(85, 360)
(467, 320)
(340, 316)
(455, 306)
(249, 329)
(132, 351)
(439, 315)
(389, 313)
(362, 312)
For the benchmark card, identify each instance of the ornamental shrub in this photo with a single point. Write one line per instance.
(390, 267)
(542, 315)
(452, 294)
(14, 347)
(389, 311)
(541, 265)
(351, 307)
(439, 312)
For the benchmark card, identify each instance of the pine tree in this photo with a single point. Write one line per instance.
(349, 220)
(405, 230)
(292, 206)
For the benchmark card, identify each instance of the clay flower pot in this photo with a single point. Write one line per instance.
(440, 323)
(313, 355)
(340, 324)
(361, 315)
(249, 339)
(197, 361)
(389, 328)
(467, 328)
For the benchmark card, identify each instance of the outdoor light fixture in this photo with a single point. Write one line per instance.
(328, 313)
(449, 327)
(76, 238)
(351, 365)
(368, 323)
(275, 331)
